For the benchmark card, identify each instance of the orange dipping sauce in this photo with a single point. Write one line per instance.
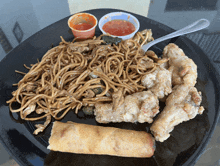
(82, 26)
(119, 27)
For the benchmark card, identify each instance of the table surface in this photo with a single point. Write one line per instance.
(30, 17)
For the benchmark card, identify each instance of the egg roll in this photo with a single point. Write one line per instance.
(88, 139)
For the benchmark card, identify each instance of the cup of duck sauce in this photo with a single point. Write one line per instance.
(82, 25)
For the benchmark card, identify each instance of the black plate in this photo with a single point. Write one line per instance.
(185, 145)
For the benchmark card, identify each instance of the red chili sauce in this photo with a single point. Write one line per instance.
(82, 26)
(119, 27)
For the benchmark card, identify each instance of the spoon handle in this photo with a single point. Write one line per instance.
(196, 26)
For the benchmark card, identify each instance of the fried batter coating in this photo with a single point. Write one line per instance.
(138, 107)
(158, 82)
(182, 105)
(183, 69)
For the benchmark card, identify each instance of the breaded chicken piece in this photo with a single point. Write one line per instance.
(158, 82)
(182, 105)
(138, 107)
(183, 69)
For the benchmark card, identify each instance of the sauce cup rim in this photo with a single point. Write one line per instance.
(96, 22)
(118, 13)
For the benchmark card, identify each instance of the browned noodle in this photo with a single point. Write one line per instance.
(61, 80)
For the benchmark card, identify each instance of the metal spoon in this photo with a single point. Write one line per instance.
(196, 26)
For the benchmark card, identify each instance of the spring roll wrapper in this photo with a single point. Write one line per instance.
(87, 139)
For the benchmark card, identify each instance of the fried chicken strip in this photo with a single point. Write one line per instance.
(138, 107)
(158, 82)
(182, 105)
(183, 69)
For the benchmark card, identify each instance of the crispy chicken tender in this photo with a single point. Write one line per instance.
(183, 69)
(158, 82)
(138, 107)
(182, 105)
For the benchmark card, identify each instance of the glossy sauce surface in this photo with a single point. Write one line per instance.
(82, 26)
(119, 27)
